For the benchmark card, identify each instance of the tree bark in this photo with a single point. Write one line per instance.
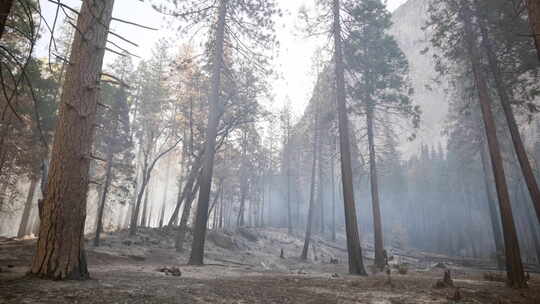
(356, 264)
(145, 208)
(533, 8)
(519, 147)
(493, 212)
(23, 227)
(199, 234)
(377, 222)
(60, 247)
(514, 266)
(5, 9)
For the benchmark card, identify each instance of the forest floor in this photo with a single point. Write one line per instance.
(246, 267)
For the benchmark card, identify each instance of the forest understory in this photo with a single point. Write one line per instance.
(246, 267)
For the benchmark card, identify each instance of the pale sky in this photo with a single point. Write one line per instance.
(294, 63)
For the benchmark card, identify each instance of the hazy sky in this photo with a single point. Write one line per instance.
(294, 62)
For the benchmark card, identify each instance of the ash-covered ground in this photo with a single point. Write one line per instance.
(247, 266)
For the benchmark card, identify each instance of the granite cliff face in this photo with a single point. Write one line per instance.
(407, 30)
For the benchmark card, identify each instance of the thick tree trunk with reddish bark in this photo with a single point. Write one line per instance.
(514, 266)
(23, 227)
(60, 246)
(374, 182)
(505, 98)
(356, 263)
(5, 9)
(199, 233)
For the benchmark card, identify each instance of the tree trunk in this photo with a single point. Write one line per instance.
(103, 199)
(27, 207)
(180, 237)
(533, 7)
(5, 9)
(164, 203)
(332, 173)
(377, 222)
(145, 209)
(514, 266)
(60, 247)
(137, 207)
(199, 233)
(356, 264)
(519, 147)
(311, 210)
(320, 192)
(493, 212)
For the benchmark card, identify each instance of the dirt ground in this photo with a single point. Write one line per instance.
(246, 267)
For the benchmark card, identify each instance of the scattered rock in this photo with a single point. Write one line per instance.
(173, 271)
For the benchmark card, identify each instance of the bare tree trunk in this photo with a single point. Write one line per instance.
(199, 233)
(332, 173)
(320, 192)
(356, 264)
(506, 103)
(23, 227)
(377, 221)
(5, 9)
(180, 237)
(311, 210)
(145, 209)
(493, 212)
(164, 202)
(60, 247)
(514, 266)
(533, 7)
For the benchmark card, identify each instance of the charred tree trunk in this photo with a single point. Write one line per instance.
(374, 182)
(493, 212)
(5, 9)
(136, 209)
(199, 233)
(60, 247)
(356, 263)
(23, 227)
(514, 266)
